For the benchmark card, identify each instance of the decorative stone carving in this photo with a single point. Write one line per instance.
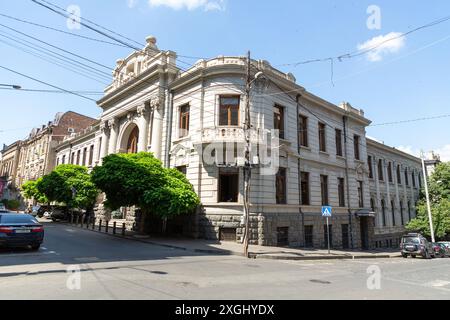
(155, 102)
(104, 127)
(142, 110)
(112, 123)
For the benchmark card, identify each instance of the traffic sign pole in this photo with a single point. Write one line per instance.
(328, 234)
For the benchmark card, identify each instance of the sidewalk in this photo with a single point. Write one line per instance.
(256, 252)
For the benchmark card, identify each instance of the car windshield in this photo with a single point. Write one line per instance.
(411, 240)
(17, 218)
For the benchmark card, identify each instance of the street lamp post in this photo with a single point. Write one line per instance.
(430, 218)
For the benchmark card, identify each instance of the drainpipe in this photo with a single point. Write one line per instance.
(350, 218)
(299, 173)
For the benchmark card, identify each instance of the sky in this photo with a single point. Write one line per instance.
(404, 78)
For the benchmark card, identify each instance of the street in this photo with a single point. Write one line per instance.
(114, 268)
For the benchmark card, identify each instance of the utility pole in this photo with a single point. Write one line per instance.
(247, 165)
(430, 218)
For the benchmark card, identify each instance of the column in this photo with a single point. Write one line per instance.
(113, 134)
(377, 186)
(143, 124)
(157, 128)
(105, 141)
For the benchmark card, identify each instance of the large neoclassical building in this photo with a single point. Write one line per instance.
(323, 156)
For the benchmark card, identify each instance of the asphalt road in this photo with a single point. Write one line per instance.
(113, 268)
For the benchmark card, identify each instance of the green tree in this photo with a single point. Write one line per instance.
(30, 191)
(141, 180)
(439, 190)
(71, 185)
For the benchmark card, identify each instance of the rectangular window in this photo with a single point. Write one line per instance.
(390, 171)
(356, 142)
(339, 143)
(345, 236)
(360, 194)
(91, 155)
(393, 213)
(84, 157)
(229, 111)
(413, 178)
(369, 163)
(228, 185)
(281, 186)
(305, 188)
(278, 120)
(78, 157)
(406, 177)
(184, 121)
(324, 189)
(399, 176)
(325, 235)
(64, 159)
(341, 192)
(380, 170)
(322, 137)
(309, 236)
(182, 169)
(303, 131)
(72, 158)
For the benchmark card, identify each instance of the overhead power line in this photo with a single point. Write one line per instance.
(410, 120)
(87, 93)
(61, 31)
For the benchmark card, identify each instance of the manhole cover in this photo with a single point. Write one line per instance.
(320, 281)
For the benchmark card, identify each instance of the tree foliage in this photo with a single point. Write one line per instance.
(439, 191)
(141, 180)
(71, 185)
(30, 191)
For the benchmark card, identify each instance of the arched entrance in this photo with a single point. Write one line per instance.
(133, 140)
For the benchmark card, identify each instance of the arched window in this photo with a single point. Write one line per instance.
(393, 212)
(132, 146)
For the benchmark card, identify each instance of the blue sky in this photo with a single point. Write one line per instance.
(409, 79)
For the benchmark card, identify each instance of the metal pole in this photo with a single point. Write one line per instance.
(328, 235)
(247, 166)
(430, 217)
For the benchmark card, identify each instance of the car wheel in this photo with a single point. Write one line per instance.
(405, 256)
(35, 247)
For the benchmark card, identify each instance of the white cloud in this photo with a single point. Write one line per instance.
(443, 152)
(382, 45)
(132, 3)
(207, 5)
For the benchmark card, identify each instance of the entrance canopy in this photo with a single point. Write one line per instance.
(365, 213)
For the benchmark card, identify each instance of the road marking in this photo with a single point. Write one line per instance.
(86, 259)
(437, 283)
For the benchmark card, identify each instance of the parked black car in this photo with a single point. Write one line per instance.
(440, 251)
(20, 230)
(414, 244)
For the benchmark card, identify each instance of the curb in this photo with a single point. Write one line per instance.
(252, 255)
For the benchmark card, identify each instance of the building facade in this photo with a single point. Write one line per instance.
(8, 171)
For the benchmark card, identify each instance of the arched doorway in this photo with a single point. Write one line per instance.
(133, 140)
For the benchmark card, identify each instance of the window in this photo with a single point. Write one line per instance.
(64, 159)
(305, 188)
(309, 236)
(324, 189)
(78, 157)
(182, 169)
(133, 140)
(393, 213)
(339, 143)
(325, 235)
(390, 172)
(229, 111)
(401, 213)
(399, 176)
(369, 163)
(419, 177)
(303, 131)
(322, 137)
(406, 177)
(341, 192)
(278, 120)
(91, 155)
(356, 141)
(345, 236)
(228, 185)
(184, 121)
(383, 213)
(360, 194)
(380, 170)
(281, 186)
(413, 178)
(372, 204)
(84, 157)
(409, 210)
(72, 160)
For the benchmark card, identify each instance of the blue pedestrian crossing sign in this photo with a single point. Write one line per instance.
(326, 211)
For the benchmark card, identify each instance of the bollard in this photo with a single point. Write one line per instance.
(100, 225)
(107, 226)
(114, 227)
(123, 229)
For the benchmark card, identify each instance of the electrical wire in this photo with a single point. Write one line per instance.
(92, 93)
